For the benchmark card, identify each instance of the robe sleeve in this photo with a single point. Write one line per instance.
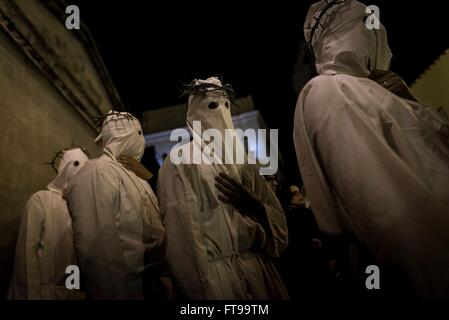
(94, 203)
(186, 253)
(26, 281)
(275, 243)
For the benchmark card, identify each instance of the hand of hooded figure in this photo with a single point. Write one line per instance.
(393, 83)
(242, 199)
(136, 167)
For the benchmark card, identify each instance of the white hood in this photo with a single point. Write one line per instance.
(122, 135)
(343, 44)
(72, 160)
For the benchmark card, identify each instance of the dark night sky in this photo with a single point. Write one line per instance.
(150, 48)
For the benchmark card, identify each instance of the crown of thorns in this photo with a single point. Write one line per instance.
(198, 88)
(60, 153)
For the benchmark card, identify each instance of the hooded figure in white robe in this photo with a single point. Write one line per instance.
(45, 244)
(118, 234)
(375, 165)
(213, 251)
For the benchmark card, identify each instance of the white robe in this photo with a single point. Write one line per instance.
(44, 249)
(118, 232)
(212, 250)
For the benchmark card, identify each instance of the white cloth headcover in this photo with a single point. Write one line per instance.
(72, 160)
(343, 44)
(122, 135)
